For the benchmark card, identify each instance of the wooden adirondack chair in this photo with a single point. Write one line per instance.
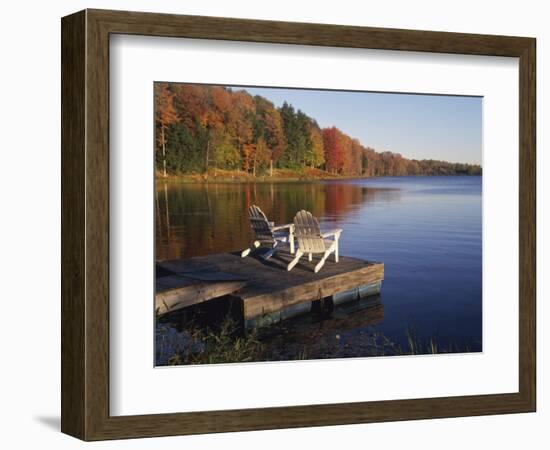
(311, 240)
(267, 234)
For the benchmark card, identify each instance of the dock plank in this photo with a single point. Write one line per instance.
(269, 287)
(176, 290)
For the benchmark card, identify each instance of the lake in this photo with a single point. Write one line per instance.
(426, 230)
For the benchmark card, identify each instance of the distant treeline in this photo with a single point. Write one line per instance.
(199, 128)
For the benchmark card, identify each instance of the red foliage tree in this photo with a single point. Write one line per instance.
(334, 158)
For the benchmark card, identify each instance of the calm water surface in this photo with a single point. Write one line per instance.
(426, 230)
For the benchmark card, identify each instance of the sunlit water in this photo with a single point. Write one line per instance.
(426, 230)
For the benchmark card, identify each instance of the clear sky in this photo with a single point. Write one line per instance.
(440, 127)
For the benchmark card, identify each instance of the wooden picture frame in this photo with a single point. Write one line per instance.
(85, 224)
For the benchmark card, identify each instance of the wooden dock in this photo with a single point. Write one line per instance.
(266, 290)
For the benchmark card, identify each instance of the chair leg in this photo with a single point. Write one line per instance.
(336, 249)
(291, 239)
(310, 257)
(299, 254)
(246, 252)
(270, 253)
(321, 263)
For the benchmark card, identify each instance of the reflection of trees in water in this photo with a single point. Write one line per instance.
(199, 219)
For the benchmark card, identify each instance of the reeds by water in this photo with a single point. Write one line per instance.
(227, 344)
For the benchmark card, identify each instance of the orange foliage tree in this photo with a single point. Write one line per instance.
(165, 114)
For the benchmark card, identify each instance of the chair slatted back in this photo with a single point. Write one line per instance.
(260, 225)
(308, 233)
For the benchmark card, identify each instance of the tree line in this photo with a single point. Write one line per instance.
(200, 128)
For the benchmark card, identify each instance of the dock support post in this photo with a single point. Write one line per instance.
(323, 306)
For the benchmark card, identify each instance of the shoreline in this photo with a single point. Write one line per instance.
(286, 177)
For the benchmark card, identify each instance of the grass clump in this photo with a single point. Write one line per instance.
(226, 344)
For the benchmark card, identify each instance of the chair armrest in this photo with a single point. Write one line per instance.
(290, 226)
(336, 233)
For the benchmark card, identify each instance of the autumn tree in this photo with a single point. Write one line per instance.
(347, 160)
(262, 156)
(356, 165)
(332, 141)
(165, 114)
(268, 126)
(191, 104)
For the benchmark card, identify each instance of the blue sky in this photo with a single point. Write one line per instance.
(417, 126)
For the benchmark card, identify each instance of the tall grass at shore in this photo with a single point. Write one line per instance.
(224, 345)
(227, 344)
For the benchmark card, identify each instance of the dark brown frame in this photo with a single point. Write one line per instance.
(85, 224)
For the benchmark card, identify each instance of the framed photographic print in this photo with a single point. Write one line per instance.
(266, 224)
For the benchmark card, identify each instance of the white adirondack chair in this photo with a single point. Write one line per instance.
(267, 234)
(312, 241)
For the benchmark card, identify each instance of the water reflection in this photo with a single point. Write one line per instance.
(348, 331)
(201, 219)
